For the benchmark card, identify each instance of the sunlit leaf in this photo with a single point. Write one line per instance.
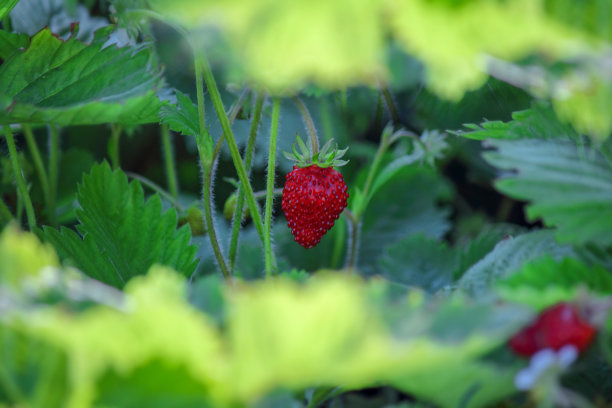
(182, 117)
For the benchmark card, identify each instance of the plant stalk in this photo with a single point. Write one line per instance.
(113, 146)
(312, 131)
(270, 187)
(169, 161)
(390, 104)
(37, 159)
(21, 184)
(53, 171)
(5, 214)
(248, 159)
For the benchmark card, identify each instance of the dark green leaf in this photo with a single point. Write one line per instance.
(419, 261)
(127, 234)
(182, 117)
(509, 256)
(70, 83)
(6, 6)
(11, 42)
(567, 188)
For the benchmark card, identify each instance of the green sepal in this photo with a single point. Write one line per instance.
(327, 156)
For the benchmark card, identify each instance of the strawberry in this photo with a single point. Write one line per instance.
(554, 328)
(315, 194)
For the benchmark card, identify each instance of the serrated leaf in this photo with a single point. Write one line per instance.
(182, 117)
(128, 234)
(419, 261)
(567, 189)
(540, 122)
(71, 83)
(544, 282)
(405, 205)
(11, 42)
(508, 256)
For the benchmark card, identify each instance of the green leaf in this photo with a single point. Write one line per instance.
(71, 83)
(11, 42)
(122, 235)
(509, 256)
(543, 282)
(568, 188)
(419, 261)
(6, 6)
(405, 205)
(540, 122)
(182, 117)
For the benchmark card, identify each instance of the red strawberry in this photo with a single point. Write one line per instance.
(555, 327)
(313, 199)
(314, 193)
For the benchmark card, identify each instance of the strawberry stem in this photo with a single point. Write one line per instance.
(21, 184)
(270, 187)
(54, 152)
(310, 127)
(169, 161)
(248, 158)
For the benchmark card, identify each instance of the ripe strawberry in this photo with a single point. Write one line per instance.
(314, 194)
(555, 327)
(313, 199)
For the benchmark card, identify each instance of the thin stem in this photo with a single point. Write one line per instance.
(148, 183)
(355, 231)
(5, 213)
(53, 171)
(113, 146)
(212, 233)
(169, 161)
(270, 187)
(312, 131)
(204, 136)
(382, 148)
(38, 163)
(231, 142)
(390, 104)
(233, 112)
(21, 184)
(248, 159)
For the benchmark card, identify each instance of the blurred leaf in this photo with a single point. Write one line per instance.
(405, 205)
(113, 221)
(31, 16)
(70, 83)
(279, 45)
(508, 257)
(7, 6)
(31, 370)
(543, 282)
(419, 261)
(591, 16)
(23, 256)
(182, 117)
(568, 188)
(11, 42)
(540, 122)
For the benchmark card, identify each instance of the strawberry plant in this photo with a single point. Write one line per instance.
(442, 239)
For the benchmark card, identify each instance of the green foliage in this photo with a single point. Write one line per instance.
(7, 6)
(568, 187)
(121, 235)
(508, 257)
(71, 83)
(182, 117)
(543, 282)
(11, 42)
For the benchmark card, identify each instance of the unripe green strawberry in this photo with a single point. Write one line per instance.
(314, 194)
(313, 198)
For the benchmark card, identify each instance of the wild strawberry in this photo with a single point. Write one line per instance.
(314, 194)
(556, 327)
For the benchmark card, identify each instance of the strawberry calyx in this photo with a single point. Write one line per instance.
(328, 156)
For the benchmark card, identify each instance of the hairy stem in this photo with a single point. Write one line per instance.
(21, 184)
(169, 161)
(233, 112)
(113, 146)
(352, 256)
(54, 151)
(312, 131)
(37, 159)
(390, 104)
(231, 142)
(270, 187)
(248, 159)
